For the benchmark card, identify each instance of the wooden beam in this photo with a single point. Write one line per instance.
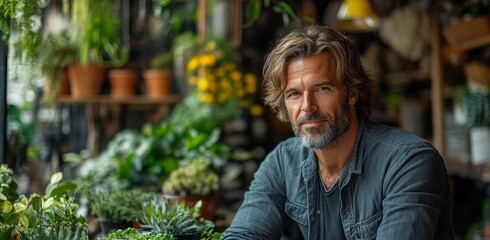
(437, 88)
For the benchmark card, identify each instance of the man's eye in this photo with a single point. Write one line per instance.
(323, 89)
(292, 94)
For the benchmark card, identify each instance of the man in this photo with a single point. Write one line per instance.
(342, 176)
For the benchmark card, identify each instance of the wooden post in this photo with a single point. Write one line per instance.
(201, 19)
(437, 88)
(236, 23)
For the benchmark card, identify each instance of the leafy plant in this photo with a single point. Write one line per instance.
(121, 205)
(197, 178)
(8, 187)
(132, 234)
(55, 56)
(20, 133)
(25, 18)
(254, 8)
(475, 106)
(169, 217)
(51, 216)
(97, 32)
(162, 61)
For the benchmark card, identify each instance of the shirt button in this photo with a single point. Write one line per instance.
(318, 212)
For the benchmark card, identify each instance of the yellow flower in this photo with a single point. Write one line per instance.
(207, 98)
(225, 85)
(256, 110)
(202, 84)
(240, 93)
(210, 46)
(208, 60)
(192, 65)
(236, 76)
(213, 86)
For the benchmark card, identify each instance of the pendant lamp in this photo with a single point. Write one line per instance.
(357, 16)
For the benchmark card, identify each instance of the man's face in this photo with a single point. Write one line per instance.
(318, 107)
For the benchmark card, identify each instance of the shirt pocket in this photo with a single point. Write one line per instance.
(367, 229)
(297, 213)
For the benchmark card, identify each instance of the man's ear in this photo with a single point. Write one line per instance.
(353, 96)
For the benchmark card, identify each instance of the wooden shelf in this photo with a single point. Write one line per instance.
(105, 112)
(475, 43)
(467, 170)
(130, 100)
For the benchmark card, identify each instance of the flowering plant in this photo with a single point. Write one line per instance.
(217, 78)
(219, 89)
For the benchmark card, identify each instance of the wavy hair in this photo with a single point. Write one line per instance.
(309, 41)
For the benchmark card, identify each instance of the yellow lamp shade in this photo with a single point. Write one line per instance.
(357, 16)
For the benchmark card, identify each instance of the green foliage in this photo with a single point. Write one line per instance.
(54, 57)
(24, 16)
(197, 178)
(132, 234)
(146, 158)
(8, 187)
(475, 106)
(20, 133)
(116, 205)
(163, 61)
(169, 217)
(205, 117)
(51, 216)
(97, 32)
(254, 8)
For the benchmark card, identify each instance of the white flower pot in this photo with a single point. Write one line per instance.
(480, 145)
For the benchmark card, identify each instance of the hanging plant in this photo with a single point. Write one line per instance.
(475, 106)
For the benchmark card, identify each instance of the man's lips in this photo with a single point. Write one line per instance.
(312, 123)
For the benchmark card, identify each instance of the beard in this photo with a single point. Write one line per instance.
(315, 138)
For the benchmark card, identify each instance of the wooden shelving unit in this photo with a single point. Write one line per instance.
(456, 167)
(111, 110)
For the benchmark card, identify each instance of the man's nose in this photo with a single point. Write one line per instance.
(309, 103)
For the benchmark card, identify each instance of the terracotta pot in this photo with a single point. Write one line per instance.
(209, 203)
(123, 82)
(85, 80)
(63, 88)
(158, 82)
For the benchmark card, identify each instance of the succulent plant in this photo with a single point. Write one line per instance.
(168, 217)
(196, 178)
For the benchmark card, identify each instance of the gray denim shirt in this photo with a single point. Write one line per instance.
(395, 187)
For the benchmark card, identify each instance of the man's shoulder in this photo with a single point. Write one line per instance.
(291, 147)
(393, 135)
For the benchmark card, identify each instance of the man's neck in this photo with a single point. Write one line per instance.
(333, 158)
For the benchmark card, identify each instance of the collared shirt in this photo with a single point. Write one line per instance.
(395, 186)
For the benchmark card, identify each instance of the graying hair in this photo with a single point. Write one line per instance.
(309, 41)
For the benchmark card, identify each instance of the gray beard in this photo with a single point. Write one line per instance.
(317, 139)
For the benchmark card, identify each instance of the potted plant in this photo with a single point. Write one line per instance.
(114, 209)
(158, 79)
(55, 56)
(474, 107)
(49, 216)
(168, 217)
(123, 81)
(194, 182)
(133, 234)
(97, 34)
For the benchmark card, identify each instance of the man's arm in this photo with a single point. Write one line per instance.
(417, 194)
(261, 216)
